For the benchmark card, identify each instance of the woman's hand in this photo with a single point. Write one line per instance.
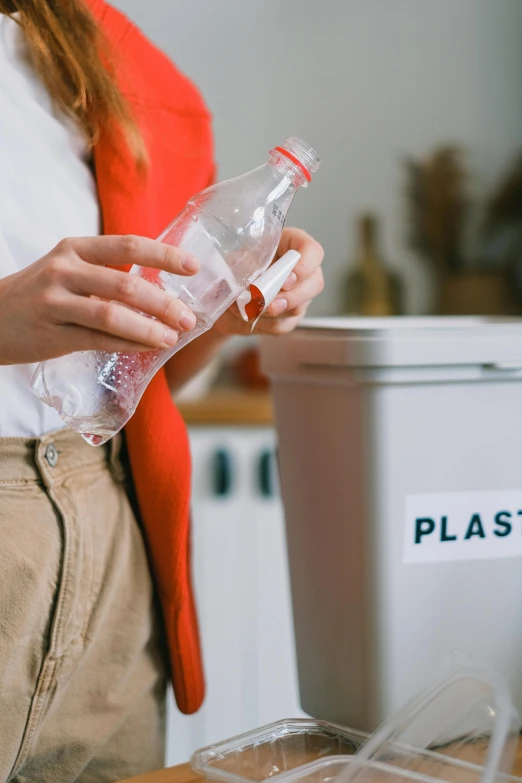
(70, 301)
(291, 304)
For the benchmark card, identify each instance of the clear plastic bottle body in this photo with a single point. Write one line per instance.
(234, 229)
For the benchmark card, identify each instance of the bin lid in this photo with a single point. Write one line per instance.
(464, 715)
(397, 342)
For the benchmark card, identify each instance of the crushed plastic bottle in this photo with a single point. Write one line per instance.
(233, 228)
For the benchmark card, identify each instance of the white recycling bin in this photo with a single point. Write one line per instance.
(400, 452)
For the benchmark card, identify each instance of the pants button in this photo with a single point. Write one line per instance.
(51, 455)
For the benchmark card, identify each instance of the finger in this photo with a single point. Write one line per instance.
(114, 319)
(131, 249)
(299, 312)
(132, 290)
(311, 251)
(301, 293)
(91, 340)
(290, 281)
(270, 326)
(312, 255)
(291, 239)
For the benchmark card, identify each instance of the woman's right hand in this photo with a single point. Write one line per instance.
(70, 301)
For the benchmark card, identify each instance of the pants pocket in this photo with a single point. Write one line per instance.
(30, 566)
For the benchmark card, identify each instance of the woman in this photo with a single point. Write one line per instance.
(102, 142)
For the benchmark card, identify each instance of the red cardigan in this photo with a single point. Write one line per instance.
(176, 127)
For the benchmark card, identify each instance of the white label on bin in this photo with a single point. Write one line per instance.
(463, 526)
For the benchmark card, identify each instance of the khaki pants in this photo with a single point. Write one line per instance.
(82, 664)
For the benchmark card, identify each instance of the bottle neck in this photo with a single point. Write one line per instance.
(286, 167)
(282, 183)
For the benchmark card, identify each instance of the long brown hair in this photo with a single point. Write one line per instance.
(74, 61)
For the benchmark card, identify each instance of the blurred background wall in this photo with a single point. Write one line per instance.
(367, 83)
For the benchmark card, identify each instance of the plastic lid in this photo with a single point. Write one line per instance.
(253, 302)
(464, 716)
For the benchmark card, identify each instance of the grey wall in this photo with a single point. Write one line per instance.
(366, 82)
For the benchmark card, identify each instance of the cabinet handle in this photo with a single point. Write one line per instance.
(266, 481)
(222, 473)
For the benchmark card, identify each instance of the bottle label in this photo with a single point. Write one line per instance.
(277, 212)
(447, 526)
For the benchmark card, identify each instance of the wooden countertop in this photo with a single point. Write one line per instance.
(184, 774)
(231, 407)
(180, 774)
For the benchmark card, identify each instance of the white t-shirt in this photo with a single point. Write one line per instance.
(47, 192)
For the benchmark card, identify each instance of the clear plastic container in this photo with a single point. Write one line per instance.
(461, 729)
(274, 749)
(465, 715)
(234, 229)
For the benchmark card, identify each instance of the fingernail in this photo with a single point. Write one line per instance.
(279, 306)
(171, 337)
(187, 319)
(291, 281)
(190, 263)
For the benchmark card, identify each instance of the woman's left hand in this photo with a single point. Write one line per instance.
(291, 304)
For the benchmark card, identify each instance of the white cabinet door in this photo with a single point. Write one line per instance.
(242, 592)
(224, 576)
(278, 693)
